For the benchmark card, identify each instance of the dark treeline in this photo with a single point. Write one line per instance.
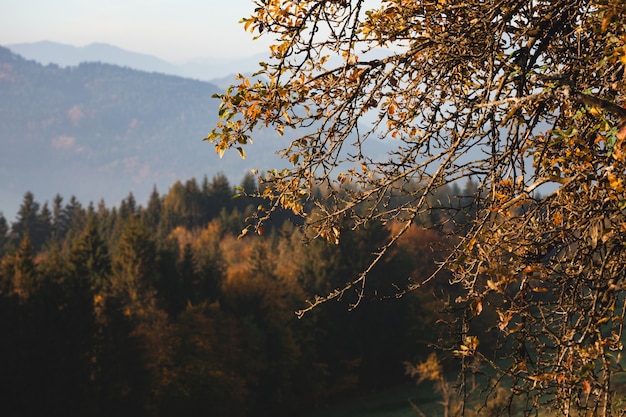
(162, 311)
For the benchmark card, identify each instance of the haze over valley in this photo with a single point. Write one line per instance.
(99, 122)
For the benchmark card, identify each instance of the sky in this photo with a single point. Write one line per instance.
(174, 30)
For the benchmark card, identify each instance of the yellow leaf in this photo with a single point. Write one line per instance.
(615, 182)
(492, 285)
(246, 24)
(505, 318)
(594, 111)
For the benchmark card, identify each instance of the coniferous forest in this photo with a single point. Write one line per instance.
(160, 310)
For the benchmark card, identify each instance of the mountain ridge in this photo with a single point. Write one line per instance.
(100, 131)
(205, 69)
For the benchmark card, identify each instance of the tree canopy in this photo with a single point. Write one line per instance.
(524, 97)
(159, 311)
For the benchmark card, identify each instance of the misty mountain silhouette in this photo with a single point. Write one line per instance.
(97, 131)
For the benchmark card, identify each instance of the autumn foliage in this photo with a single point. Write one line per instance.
(526, 98)
(161, 310)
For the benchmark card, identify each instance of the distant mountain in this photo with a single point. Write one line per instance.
(206, 69)
(47, 52)
(101, 131)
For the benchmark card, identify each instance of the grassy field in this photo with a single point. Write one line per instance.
(395, 402)
(390, 403)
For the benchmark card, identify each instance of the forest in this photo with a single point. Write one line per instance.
(161, 310)
(492, 228)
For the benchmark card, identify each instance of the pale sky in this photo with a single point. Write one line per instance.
(174, 30)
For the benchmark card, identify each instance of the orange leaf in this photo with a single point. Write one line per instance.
(586, 387)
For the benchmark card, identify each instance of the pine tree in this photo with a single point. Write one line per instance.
(76, 217)
(44, 226)
(27, 218)
(188, 277)
(60, 222)
(23, 269)
(152, 213)
(134, 267)
(89, 257)
(4, 235)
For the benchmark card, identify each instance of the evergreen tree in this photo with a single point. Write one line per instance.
(27, 219)
(174, 210)
(23, 269)
(4, 235)
(89, 256)
(152, 213)
(64, 304)
(121, 378)
(206, 186)
(44, 225)
(168, 285)
(76, 217)
(60, 221)
(188, 277)
(135, 255)
(20, 378)
(249, 184)
(210, 262)
(195, 214)
(220, 195)
(135, 278)
(130, 204)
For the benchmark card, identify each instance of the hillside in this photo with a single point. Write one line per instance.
(101, 131)
(47, 52)
(206, 69)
